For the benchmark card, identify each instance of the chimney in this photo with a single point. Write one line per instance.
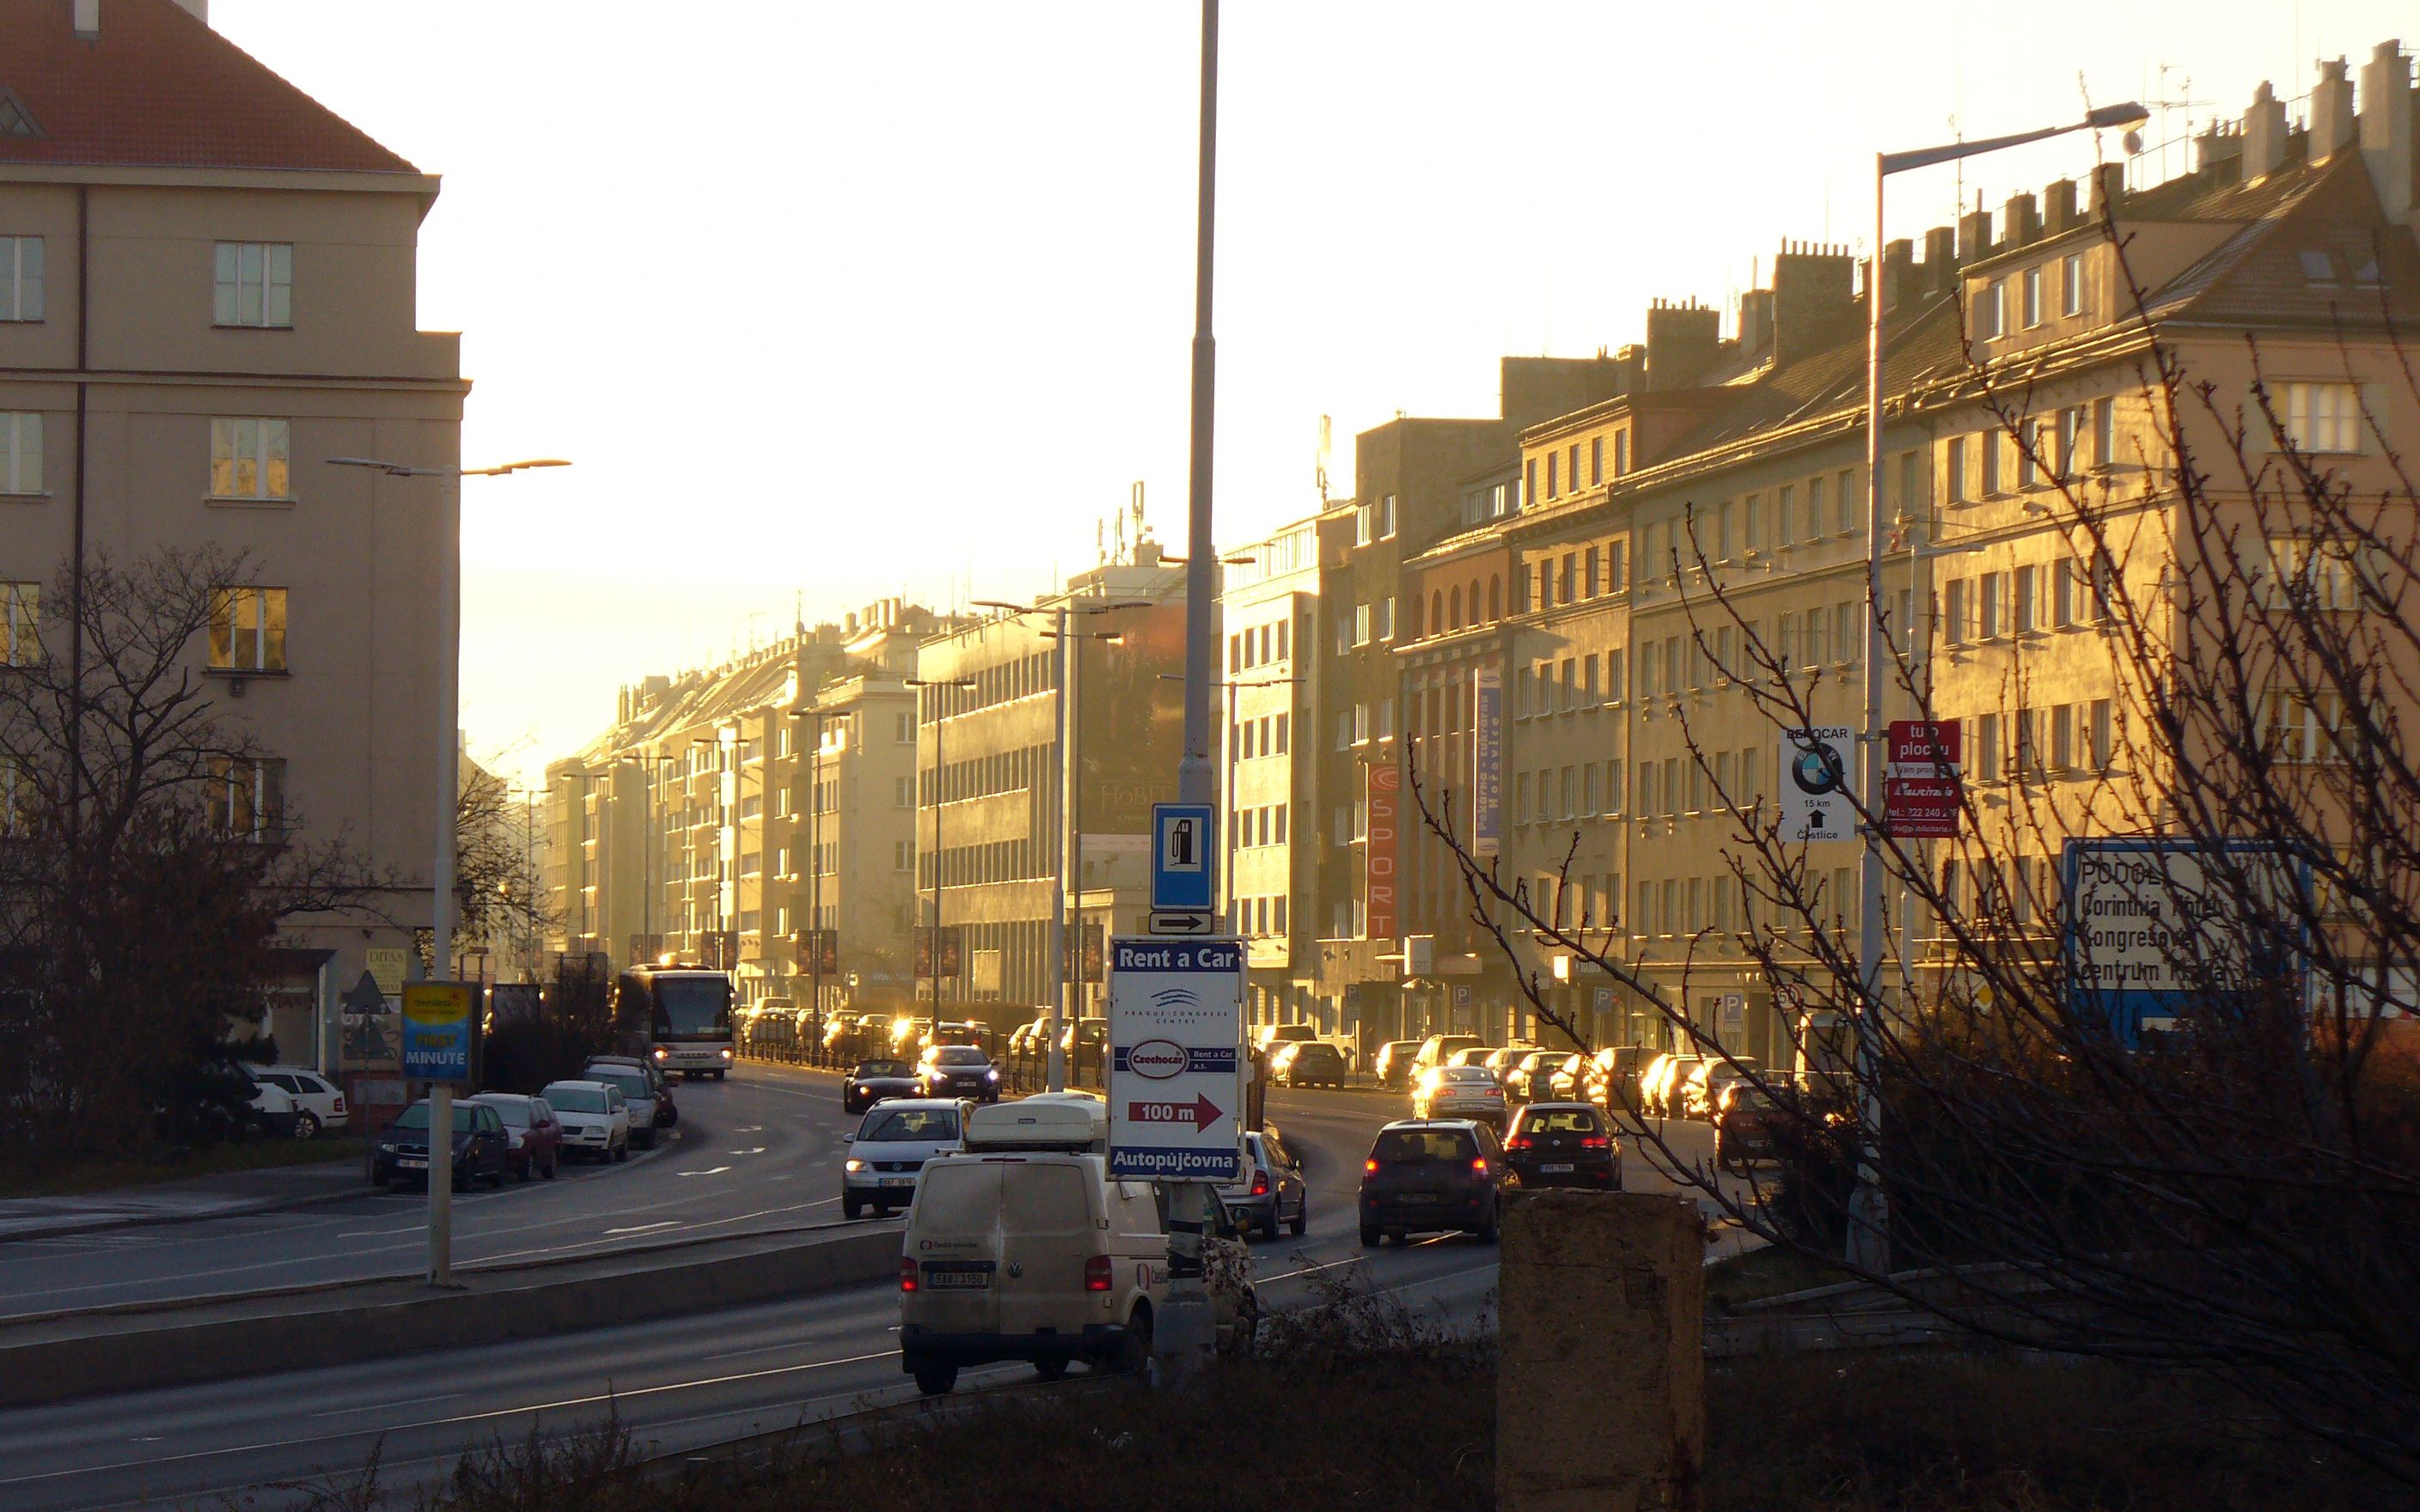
(1814, 299)
(1941, 257)
(88, 18)
(2264, 133)
(2331, 112)
(2386, 127)
(2215, 149)
(1630, 369)
(2108, 188)
(1974, 236)
(1899, 270)
(1755, 320)
(2019, 224)
(2058, 207)
(1682, 341)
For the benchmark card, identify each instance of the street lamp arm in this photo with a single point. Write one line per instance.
(2128, 114)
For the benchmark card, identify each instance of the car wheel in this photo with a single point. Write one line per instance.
(935, 1381)
(622, 1151)
(850, 1206)
(379, 1179)
(1371, 1238)
(552, 1161)
(1050, 1369)
(524, 1168)
(718, 1075)
(307, 1125)
(881, 1211)
(1485, 1232)
(648, 1140)
(496, 1177)
(1300, 1222)
(1136, 1357)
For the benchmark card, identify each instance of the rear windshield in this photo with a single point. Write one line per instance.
(1411, 1147)
(1561, 1121)
(633, 1084)
(959, 1198)
(910, 1124)
(516, 1114)
(1466, 1074)
(1049, 1198)
(1316, 1050)
(959, 1055)
(882, 1067)
(416, 1117)
(576, 1099)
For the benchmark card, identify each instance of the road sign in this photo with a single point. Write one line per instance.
(439, 1021)
(2154, 926)
(1183, 843)
(1177, 921)
(1923, 793)
(1175, 1082)
(1924, 747)
(1817, 775)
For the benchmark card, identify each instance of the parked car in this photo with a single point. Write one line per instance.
(594, 1122)
(840, 1037)
(875, 1079)
(1429, 1174)
(1610, 1077)
(1503, 1057)
(401, 1150)
(1392, 1065)
(958, 1070)
(1435, 1050)
(1473, 1056)
(1272, 1192)
(317, 1103)
(1042, 1256)
(667, 1112)
(1085, 1043)
(889, 1149)
(1027, 1040)
(533, 1135)
(638, 1097)
(1707, 1080)
(1659, 1088)
(956, 1031)
(1458, 1092)
(1523, 1077)
(1270, 1036)
(1564, 1144)
(271, 1110)
(1307, 1063)
(1747, 1118)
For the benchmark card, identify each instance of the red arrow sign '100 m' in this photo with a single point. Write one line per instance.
(1201, 1113)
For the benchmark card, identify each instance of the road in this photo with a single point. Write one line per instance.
(675, 1384)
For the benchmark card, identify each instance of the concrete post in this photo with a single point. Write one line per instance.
(1599, 1377)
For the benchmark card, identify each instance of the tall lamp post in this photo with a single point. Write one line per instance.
(440, 886)
(940, 792)
(1868, 1246)
(654, 766)
(814, 870)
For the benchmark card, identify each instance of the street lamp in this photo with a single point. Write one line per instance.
(1070, 799)
(816, 872)
(441, 891)
(1868, 1246)
(940, 792)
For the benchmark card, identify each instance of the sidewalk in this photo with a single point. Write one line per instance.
(183, 1199)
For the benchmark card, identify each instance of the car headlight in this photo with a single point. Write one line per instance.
(853, 1165)
(991, 1075)
(663, 1054)
(726, 1052)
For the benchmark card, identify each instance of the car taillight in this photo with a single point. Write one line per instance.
(1259, 1183)
(1478, 1166)
(1096, 1272)
(1517, 1142)
(1370, 1166)
(1596, 1142)
(906, 1276)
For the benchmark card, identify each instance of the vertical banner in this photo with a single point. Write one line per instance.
(1386, 788)
(440, 1027)
(1486, 762)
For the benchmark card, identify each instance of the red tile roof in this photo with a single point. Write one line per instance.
(158, 88)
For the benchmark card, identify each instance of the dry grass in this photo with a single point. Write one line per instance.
(218, 1160)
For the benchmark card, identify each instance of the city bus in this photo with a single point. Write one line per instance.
(679, 1017)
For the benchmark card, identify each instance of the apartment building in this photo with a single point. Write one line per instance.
(207, 290)
(990, 823)
(1268, 608)
(730, 810)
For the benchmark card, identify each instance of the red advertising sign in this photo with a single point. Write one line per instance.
(1929, 746)
(1921, 808)
(1386, 813)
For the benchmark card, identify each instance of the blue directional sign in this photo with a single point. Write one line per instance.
(1184, 856)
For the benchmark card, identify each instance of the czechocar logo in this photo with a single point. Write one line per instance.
(1158, 1059)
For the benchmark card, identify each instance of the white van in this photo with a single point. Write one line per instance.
(1021, 1247)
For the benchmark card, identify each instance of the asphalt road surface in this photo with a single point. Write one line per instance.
(675, 1384)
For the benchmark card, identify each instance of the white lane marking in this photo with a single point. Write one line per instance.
(380, 1407)
(756, 1150)
(642, 1228)
(710, 1170)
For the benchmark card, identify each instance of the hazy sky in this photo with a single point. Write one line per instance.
(849, 300)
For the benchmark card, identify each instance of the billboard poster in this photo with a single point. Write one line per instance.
(1486, 762)
(1175, 1073)
(440, 1023)
(1380, 853)
(1817, 776)
(952, 954)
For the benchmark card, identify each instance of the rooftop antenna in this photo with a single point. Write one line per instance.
(1136, 504)
(1325, 430)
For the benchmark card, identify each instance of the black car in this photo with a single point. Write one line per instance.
(958, 1070)
(1430, 1174)
(1309, 1063)
(482, 1150)
(874, 1080)
(1564, 1144)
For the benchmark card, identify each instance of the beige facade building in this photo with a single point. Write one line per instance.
(1268, 610)
(206, 289)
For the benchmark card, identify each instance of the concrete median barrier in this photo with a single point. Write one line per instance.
(63, 1356)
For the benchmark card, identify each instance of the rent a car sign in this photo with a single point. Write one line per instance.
(1176, 1090)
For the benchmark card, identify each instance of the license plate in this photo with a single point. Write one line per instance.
(971, 1279)
(1554, 1169)
(410, 1164)
(1417, 1196)
(898, 1181)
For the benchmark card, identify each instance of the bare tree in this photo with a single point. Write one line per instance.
(148, 862)
(2230, 1183)
(500, 898)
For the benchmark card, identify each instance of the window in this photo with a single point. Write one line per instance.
(902, 852)
(20, 278)
(1387, 516)
(1954, 619)
(1987, 452)
(1613, 787)
(2104, 432)
(21, 453)
(1343, 633)
(2030, 299)
(2303, 730)
(256, 283)
(900, 797)
(1596, 460)
(1987, 747)
(1848, 632)
(2102, 746)
(1616, 671)
(1954, 470)
(2070, 435)
(1814, 509)
(1987, 302)
(1620, 453)
(1785, 641)
(1723, 533)
(2063, 578)
(1575, 467)
(2303, 573)
(1554, 460)
(1989, 622)
(249, 458)
(1530, 484)
(21, 620)
(2028, 454)
(1844, 500)
(2026, 609)
(1386, 617)
(247, 797)
(2324, 417)
(903, 730)
(2062, 738)
(248, 629)
(2071, 283)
